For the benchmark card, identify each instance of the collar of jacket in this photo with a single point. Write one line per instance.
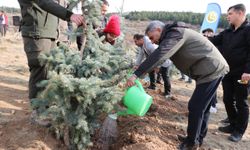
(168, 27)
(245, 23)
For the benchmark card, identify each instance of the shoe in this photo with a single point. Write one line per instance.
(168, 96)
(151, 87)
(159, 82)
(187, 146)
(44, 122)
(213, 110)
(181, 79)
(226, 129)
(235, 137)
(189, 81)
(182, 138)
(225, 121)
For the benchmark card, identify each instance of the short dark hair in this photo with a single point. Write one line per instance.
(207, 30)
(105, 2)
(138, 36)
(238, 7)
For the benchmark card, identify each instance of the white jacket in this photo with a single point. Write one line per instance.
(147, 49)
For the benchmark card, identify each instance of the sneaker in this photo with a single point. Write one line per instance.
(235, 137)
(213, 110)
(187, 146)
(226, 129)
(225, 121)
(189, 81)
(182, 139)
(168, 96)
(44, 122)
(151, 87)
(181, 79)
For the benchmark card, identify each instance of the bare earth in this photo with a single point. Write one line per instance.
(156, 131)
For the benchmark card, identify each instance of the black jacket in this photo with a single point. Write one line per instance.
(235, 47)
(191, 53)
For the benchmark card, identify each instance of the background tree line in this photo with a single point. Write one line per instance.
(187, 17)
(10, 10)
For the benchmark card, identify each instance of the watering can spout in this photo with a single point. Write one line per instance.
(125, 112)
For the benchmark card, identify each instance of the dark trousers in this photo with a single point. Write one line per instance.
(235, 100)
(165, 76)
(1, 30)
(164, 72)
(79, 40)
(5, 28)
(152, 78)
(38, 72)
(158, 78)
(198, 107)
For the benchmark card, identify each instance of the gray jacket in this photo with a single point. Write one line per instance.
(147, 49)
(192, 54)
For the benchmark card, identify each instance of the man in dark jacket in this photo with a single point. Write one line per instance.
(39, 32)
(195, 56)
(235, 45)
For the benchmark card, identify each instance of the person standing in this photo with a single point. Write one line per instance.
(1, 23)
(39, 31)
(208, 32)
(194, 55)
(5, 23)
(235, 44)
(146, 49)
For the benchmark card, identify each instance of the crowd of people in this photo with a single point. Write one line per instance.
(205, 58)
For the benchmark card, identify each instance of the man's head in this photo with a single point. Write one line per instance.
(236, 14)
(105, 6)
(208, 32)
(154, 30)
(138, 39)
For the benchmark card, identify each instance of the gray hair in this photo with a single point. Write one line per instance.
(153, 25)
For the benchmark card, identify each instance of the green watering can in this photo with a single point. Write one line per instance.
(136, 100)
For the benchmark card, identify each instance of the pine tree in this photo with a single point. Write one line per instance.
(80, 87)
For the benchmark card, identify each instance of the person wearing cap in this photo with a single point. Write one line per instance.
(208, 32)
(112, 30)
(235, 47)
(194, 55)
(39, 31)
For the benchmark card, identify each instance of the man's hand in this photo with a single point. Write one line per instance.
(131, 81)
(157, 70)
(245, 77)
(77, 19)
(135, 67)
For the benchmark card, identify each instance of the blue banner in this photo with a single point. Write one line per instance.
(212, 17)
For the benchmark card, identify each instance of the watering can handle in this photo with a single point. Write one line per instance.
(138, 83)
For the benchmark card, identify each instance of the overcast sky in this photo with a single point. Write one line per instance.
(159, 5)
